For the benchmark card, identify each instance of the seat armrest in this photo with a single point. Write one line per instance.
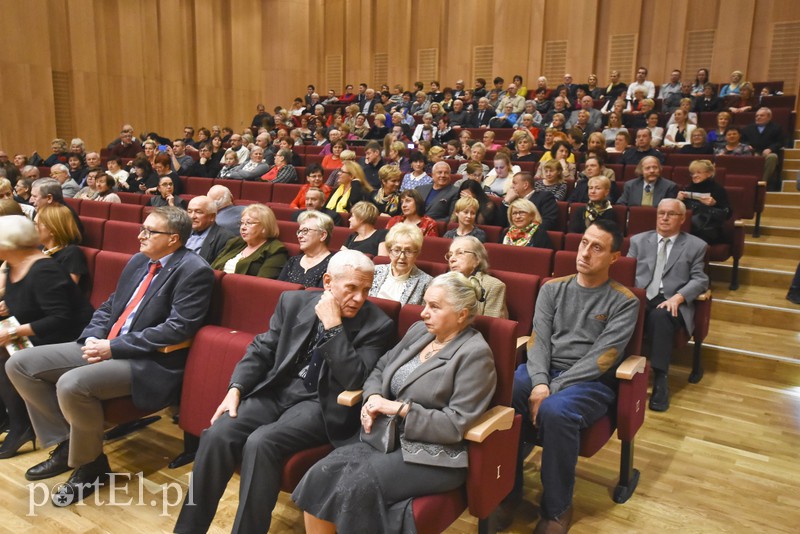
(704, 296)
(350, 397)
(522, 341)
(495, 418)
(738, 223)
(177, 346)
(632, 365)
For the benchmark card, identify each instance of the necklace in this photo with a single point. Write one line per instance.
(432, 349)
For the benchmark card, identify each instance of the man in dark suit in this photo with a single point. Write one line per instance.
(440, 197)
(641, 149)
(367, 106)
(315, 200)
(207, 238)
(545, 202)
(483, 115)
(649, 188)
(160, 302)
(282, 396)
(767, 140)
(670, 266)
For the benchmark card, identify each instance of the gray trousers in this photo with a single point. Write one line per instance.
(64, 395)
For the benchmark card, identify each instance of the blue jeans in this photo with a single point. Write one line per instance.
(558, 428)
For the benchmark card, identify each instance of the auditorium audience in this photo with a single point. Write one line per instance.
(412, 210)
(526, 228)
(353, 188)
(707, 200)
(89, 192)
(283, 171)
(229, 163)
(59, 236)
(733, 145)
(717, 136)
(699, 143)
(597, 207)
(166, 195)
(314, 178)
(365, 237)
(563, 155)
(465, 213)
(401, 280)
(552, 179)
(468, 256)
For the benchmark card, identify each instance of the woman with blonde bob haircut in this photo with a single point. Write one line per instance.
(58, 234)
(526, 226)
(401, 280)
(353, 188)
(256, 251)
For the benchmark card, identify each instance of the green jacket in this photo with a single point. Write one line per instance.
(266, 262)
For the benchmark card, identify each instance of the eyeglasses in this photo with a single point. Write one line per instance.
(457, 254)
(304, 231)
(248, 223)
(669, 214)
(147, 232)
(405, 252)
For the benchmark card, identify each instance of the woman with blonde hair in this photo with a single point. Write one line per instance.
(387, 197)
(526, 226)
(353, 188)
(257, 251)
(552, 179)
(59, 236)
(598, 207)
(465, 213)
(365, 237)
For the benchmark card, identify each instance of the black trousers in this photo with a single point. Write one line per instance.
(660, 329)
(269, 427)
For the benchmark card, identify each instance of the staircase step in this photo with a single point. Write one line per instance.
(790, 164)
(775, 198)
(781, 211)
(793, 240)
(756, 339)
(721, 272)
(752, 294)
(778, 264)
(756, 315)
(789, 183)
(777, 370)
(773, 231)
(754, 248)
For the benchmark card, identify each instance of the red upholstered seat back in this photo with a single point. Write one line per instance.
(120, 236)
(248, 302)
(108, 267)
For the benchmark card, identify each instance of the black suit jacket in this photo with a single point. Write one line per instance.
(348, 358)
(771, 138)
(481, 118)
(215, 241)
(714, 104)
(441, 207)
(172, 311)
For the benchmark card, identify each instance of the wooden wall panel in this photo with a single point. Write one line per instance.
(161, 64)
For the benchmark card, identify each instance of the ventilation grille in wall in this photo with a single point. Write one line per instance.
(699, 51)
(334, 69)
(62, 98)
(555, 59)
(427, 64)
(482, 60)
(622, 54)
(380, 69)
(784, 56)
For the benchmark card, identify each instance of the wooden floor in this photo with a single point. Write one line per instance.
(724, 458)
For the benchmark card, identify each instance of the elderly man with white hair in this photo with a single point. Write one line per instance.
(229, 216)
(207, 238)
(60, 173)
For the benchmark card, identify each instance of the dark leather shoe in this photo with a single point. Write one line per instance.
(14, 442)
(84, 481)
(558, 525)
(53, 466)
(659, 400)
(793, 296)
(503, 516)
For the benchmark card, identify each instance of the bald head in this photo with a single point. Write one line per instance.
(202, 211)
(221, 196)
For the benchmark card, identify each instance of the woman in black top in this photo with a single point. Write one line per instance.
(365, 237)
(708, 202)
(698, 143)
(59, 236)
(45, 302)
(314, 235)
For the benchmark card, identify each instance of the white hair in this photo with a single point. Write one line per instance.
(350, 259)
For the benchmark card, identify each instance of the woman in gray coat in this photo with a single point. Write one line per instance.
(441, 378)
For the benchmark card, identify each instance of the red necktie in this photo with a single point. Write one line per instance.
(137, 298)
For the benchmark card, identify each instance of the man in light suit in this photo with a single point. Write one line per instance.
(161, 301)
(440, 197)
(670, 296)
(650, 188)
(207, 238)
(282, 395)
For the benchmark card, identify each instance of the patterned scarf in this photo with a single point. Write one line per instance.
(594, 210)
(392, 201)
(520, 237)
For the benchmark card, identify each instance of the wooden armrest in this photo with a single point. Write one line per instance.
(496, 418)
(522, 341)
(762, 183)
(350, 397)
(738, 223)
(704, 296)
(631, 366)
(177, 346)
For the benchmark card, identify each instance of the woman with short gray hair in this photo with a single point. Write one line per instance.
(468, 256)
(401, 279)
(313, 236)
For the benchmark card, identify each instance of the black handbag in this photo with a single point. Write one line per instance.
(383, 436)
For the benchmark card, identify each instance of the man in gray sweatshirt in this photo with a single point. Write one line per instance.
(581, 327)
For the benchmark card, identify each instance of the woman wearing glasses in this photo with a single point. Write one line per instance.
(257, 251)
(468, 256)
(526, 226)
(314, 235)
(401, 280)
